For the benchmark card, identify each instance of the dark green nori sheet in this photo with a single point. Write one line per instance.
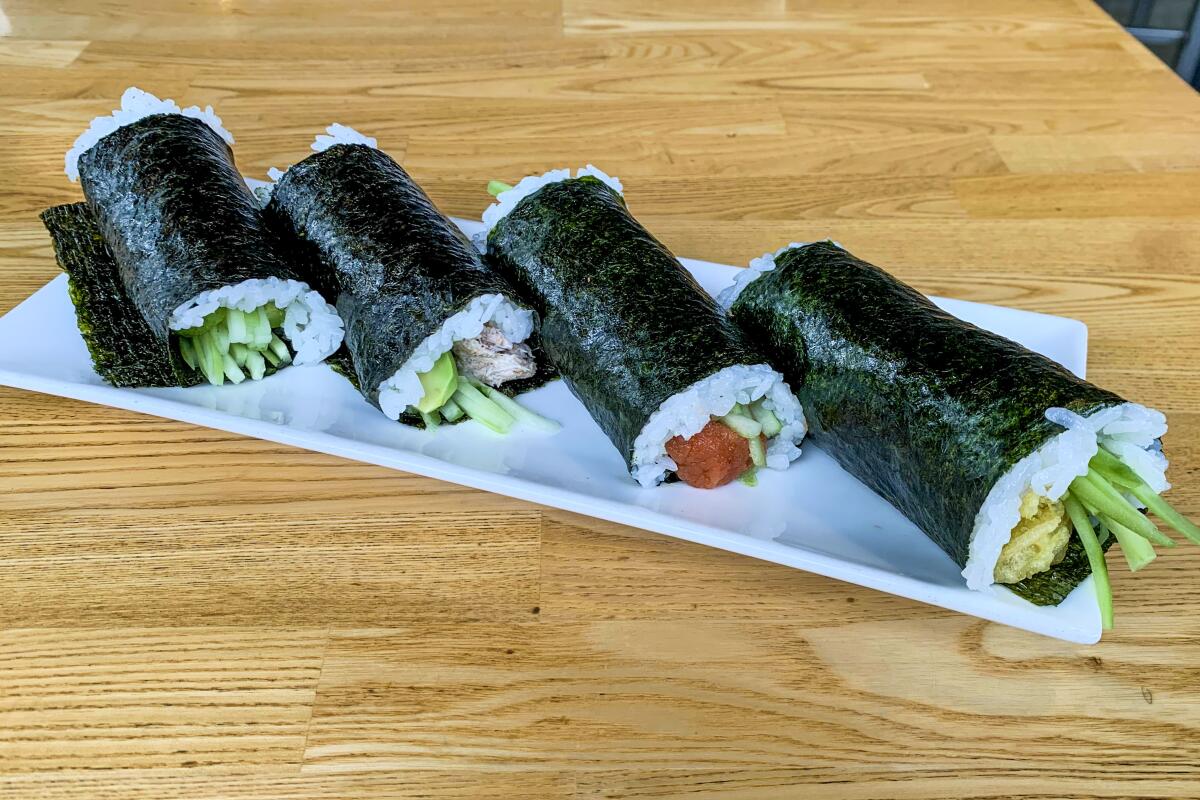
(626, 325)
(368, 236)
(124, 350)
(176, 214)
(1051, 587)
(925, 409)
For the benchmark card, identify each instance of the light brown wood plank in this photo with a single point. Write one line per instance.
(234, 785)
(1156, 194)
(73, 699)
(714, 156)
(186, 613)
(674, 693)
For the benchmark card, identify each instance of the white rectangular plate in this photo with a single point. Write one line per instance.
(814, 516)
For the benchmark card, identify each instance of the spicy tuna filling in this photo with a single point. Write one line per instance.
(726, 448)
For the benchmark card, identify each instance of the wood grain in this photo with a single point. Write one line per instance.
(186, 613)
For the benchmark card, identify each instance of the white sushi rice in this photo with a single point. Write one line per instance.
(341, 134)
(136, 104)
(507, 200)
(686, 413)
(311, 325)
(403, 388)
(1130, 430)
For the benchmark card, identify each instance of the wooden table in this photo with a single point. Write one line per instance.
(187, 613)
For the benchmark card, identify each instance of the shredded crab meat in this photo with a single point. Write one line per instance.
(493, 359)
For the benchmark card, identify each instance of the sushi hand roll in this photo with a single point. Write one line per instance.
(190, 248)
(433, 335)
(1022, 472)
(669, 380)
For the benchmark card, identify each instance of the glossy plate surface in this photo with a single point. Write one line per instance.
(813, 517)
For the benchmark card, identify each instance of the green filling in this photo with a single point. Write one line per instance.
(440, 383)
(752, 421)
(1100, 494)
(1138, 552)
(771, 426)
(230, 343)
(1095, 556)
(758, 453)
(449, 397)
(494, 188)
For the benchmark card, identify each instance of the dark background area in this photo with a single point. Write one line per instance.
(1169, 28)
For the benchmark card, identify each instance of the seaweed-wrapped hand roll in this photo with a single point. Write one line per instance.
(1022, 472)
(433, 334)
(190, 249)
(666, 377)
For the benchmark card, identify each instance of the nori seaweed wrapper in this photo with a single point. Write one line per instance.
(176, 214)
(925, 409)
(626, 325)
(368, 236)
(124, 350)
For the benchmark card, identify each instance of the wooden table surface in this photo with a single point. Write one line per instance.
(188, 613)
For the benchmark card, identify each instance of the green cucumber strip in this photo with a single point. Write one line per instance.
(232, 370)
(212, 363)
(1105, 500)
(494, 188)
(430, 420)
(439, 382)
(481, 409)
(275, 315)
(747, 427)
(221, 337)
(1095, 554)
(519, 412)
(187, 351)
(280, 349)
(1160, 538)
(1166, 513)
(256, 365)
(1113, 468)
(239, 352)
(450, 411)
(758, 453)
(262, 329)
(771, 426)
(1137, 551)
(236, 324)
(750, 477)
(1147, 528)
(270, 356)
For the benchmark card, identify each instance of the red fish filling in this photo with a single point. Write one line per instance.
(711, 458)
